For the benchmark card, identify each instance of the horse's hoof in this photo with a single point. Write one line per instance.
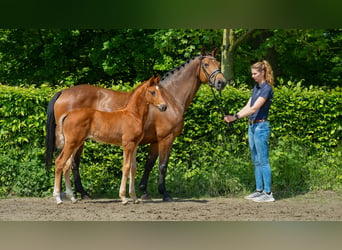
(167, 199)
(146, 197)
(73, 200)
(124, 202)
(86, 197)
(59, 202)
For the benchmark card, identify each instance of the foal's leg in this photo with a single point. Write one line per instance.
(60, 163)
(133, 172)
(128, 151)
(63, 163)
(69, 193)
(58, 176)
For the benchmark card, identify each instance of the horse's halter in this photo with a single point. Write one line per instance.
(212, 76)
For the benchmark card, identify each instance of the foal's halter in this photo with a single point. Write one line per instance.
(212, 76)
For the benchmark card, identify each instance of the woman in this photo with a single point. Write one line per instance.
(259, 129)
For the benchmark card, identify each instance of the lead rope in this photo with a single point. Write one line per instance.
(218, 100)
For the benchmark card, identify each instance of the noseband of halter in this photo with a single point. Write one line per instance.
(210, 77)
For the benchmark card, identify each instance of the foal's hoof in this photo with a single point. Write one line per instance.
(59, 202)
(124, 201)
(136, 201)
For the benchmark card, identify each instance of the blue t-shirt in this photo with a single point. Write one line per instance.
(264, 90)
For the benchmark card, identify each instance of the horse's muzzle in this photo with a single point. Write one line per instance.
(162, 107)
(220, 84)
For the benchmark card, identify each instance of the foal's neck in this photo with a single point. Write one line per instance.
(137, 103)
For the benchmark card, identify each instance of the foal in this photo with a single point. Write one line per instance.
(124, 127)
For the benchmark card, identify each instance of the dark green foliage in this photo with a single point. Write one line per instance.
(208, 159)
(65, 57)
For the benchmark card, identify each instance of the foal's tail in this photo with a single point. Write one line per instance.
(50, 142)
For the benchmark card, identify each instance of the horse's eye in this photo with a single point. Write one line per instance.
(206, 65)
(153, 93)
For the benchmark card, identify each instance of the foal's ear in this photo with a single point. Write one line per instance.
(151, 81)
(155, 80)
(214, 52)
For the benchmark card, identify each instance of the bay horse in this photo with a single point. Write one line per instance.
(180, 86)
(123, 127)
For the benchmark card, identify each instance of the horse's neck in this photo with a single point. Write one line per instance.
(183, 83)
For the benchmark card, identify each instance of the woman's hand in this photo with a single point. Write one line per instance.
(229, 118)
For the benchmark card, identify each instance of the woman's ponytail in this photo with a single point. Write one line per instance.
(267, 69)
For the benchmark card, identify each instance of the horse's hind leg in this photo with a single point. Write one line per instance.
(76, 174)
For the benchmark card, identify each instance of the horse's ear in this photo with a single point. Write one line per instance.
(203, 51)
(214, 52)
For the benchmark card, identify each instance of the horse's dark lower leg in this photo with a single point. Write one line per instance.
(76, 175)
(78, 184)
(161, 184)
(164, 154)
(151, 159)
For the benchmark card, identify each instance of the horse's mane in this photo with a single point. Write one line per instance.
(172, 71)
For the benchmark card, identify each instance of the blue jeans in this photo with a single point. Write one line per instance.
(258, 135)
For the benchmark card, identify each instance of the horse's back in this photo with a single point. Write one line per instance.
(89, 96)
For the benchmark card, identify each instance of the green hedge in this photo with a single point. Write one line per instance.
(209, 158)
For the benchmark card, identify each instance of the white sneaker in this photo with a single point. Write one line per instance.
(264, 198)
(254, 195)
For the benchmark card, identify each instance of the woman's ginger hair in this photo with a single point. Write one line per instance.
(265, 67)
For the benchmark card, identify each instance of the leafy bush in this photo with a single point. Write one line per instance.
(207, 159)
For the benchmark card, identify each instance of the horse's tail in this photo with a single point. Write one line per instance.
(50, 142)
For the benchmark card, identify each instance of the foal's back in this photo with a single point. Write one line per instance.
(107, 127)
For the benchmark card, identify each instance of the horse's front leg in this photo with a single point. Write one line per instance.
(151, 159)
(164, 154)
(128, 151)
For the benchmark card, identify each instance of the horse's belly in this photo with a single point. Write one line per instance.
(107, 139)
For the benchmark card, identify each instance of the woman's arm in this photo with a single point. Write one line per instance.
(246, 110)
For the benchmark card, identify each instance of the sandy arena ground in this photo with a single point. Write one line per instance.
(318, 206)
